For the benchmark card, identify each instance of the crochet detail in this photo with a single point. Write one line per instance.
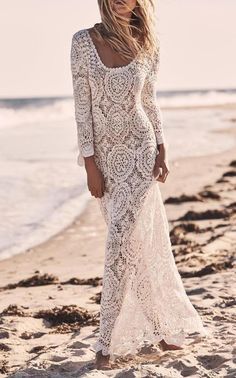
(120, 123)
(116, 95)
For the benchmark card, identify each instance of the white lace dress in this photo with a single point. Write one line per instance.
(120, 123)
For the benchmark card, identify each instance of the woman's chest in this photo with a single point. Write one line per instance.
(117, 83)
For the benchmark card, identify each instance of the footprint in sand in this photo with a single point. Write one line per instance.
(56, 358)
(212, 361)
(183, 368)
(78, 345)
(4, 347)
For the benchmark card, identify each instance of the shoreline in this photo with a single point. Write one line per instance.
(166, 191)
(173, 163)
(183, 166)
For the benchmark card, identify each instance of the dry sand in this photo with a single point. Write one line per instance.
(49, 322)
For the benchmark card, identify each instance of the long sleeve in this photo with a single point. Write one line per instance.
(82, 97)
(149, 99)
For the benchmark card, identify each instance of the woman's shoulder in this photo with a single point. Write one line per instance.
(80, 35)
(79, 49)
(85, 34)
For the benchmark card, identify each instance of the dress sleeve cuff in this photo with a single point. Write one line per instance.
(160, 139)
(82, 155)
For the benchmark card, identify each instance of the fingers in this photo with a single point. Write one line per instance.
(156, 170)
(96, 183)
(164, 174)
(102, 190)
(98, 193)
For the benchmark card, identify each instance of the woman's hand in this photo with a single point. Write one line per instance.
(95, 179)
(161, 168)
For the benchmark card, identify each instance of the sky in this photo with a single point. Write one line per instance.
(197, 41)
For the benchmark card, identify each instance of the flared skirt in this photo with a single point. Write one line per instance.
(143, 298)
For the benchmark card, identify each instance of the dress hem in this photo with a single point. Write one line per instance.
(98, 346)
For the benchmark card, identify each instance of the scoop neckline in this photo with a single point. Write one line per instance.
(119, 68)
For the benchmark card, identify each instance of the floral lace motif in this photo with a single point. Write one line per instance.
(120, 123)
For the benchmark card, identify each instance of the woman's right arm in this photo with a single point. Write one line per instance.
(83, 114)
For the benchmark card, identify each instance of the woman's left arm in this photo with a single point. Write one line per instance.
(153, 111)
(149, 99)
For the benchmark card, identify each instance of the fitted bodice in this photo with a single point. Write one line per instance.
(113, 104)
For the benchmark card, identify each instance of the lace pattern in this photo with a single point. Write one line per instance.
(120, 123)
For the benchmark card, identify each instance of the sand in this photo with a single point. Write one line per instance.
(50, 294)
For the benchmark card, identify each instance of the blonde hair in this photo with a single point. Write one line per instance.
(139, 36)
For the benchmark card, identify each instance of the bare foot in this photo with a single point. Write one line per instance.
(102, 362)
(164, 346)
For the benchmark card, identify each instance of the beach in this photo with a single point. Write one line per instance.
(60, 95)
(50, 294)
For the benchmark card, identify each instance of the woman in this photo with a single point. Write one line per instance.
(122, 146)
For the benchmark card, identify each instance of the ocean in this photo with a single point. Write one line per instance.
(42, 189)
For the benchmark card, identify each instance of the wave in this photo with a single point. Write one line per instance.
(14, 112)
(197, 98)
